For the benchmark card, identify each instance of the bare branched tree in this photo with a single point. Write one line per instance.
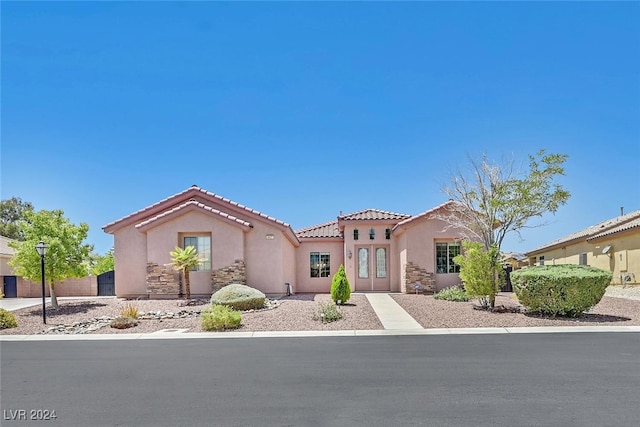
(492, 200)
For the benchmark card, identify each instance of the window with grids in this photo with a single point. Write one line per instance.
(320, 263)
(203, 249)
(445, 252)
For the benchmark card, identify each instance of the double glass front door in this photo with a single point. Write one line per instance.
(372, 269)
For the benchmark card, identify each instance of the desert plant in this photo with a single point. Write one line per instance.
(479, 272)
(7, 319)
(239, 297)
(123, 322)
(340, 289)
(453, 293)
(328, 312)
(560, 290)
(184, 260)
(220, 317)
(129, 310)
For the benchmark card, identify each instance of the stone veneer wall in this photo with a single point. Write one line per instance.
(413, 274)
(234, 273)
(162, 281)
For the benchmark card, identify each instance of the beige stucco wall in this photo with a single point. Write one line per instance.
(84, 286)
(623, 258)
(364, 239)
(420, 246)
(304, 282)
(5, 269)
(227, 243)
(130, 255)
(266, 248)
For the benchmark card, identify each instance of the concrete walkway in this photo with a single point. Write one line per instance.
(390, 313)
(12, 304)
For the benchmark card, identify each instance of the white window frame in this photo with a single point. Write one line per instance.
(447, 261)
(323, 268)
(203, 249)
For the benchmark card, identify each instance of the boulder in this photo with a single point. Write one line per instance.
(239, 297)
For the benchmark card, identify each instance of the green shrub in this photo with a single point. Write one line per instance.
(239, 297)
(560, 290)
(123, 323)
(328, 312)
(479, 272)
(129, 310)
(454, 293)
(7, 319)
(340, 289)
(220, 317)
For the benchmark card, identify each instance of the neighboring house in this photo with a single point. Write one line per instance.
(612, 245)
(515, 260)
(381, 251)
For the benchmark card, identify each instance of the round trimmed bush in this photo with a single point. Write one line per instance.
(560, 290)
(239, 297)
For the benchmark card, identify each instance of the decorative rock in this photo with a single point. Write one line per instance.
(239, 297)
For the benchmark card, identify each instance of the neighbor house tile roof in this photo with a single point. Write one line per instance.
(368, 214)
(5, 249)
(609, 226)
(624, 227)
(328, 229)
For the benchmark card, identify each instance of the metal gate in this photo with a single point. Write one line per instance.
(107, 284)
(10, 286)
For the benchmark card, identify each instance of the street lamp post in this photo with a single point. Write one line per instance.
(42, 251)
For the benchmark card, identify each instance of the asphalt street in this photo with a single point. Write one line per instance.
(573, 379)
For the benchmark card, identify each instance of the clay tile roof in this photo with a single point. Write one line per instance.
(603, 228)
(425, 214)
(193, 189)
(624, 227)
(368, 214)
(328, 229)
(253, 211)
(196, 204)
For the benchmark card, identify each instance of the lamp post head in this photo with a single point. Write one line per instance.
(42, 248)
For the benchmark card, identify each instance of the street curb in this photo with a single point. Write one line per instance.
(164, 335)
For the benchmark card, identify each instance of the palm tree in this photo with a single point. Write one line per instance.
(185, 260)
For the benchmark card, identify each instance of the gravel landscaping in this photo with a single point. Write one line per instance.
(295, 313)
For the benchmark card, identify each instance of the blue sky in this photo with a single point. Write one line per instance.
(302, 110)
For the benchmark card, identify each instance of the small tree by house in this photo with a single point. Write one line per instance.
(340, 289)
(184, 260)
(66, 258)
(478, 270)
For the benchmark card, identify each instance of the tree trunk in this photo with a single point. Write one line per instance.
(54, 299)
(187, 285)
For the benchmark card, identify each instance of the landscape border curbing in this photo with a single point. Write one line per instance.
(163, 335)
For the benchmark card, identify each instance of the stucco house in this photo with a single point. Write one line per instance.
(612, 245)
(381, 251)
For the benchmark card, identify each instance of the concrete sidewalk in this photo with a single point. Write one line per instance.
(12, 304)
(391, 315)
